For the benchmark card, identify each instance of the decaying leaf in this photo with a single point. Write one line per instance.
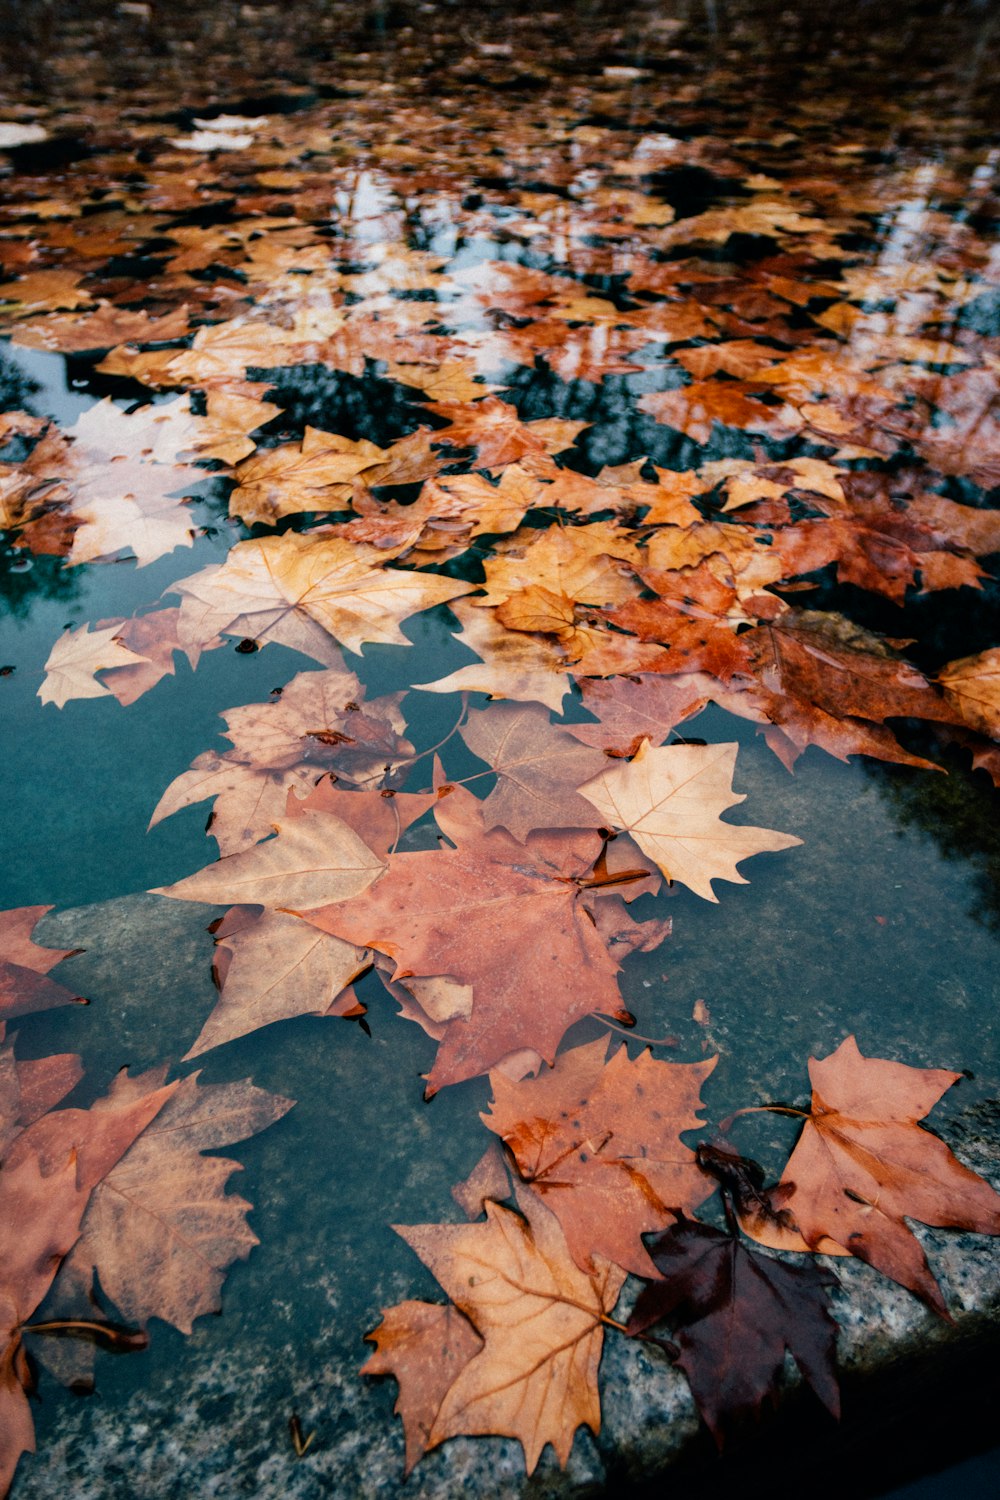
(451, 912)
(733, 1314)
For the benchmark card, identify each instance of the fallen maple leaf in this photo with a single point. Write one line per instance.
(452, 911)
(40, 1217)
(862, 1163)
(513, 665)
(51, 1167)
(270, 966)
(670, 800)
(313, 859)
(160, 1230)
(315, 475)
(599, 1141)
(972, 686)
(308, 592)
(631, 709)
(735, 1313)
(317, 724)
(540, 1318)
(425, 1346)
(588, 564)
(538, 764)
(496, 431)
(74, 659)
(24, 966)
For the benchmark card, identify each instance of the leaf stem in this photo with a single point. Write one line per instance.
(653, 1041)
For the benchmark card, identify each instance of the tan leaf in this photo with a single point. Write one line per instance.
(514, 664)
(972, 686)
(540, 1319)
(314, 859)
(74, 659)
(277, 967)
(670, 800)
(309, 593)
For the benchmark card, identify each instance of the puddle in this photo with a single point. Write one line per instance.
(713, 289)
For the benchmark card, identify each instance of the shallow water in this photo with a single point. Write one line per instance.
(414, 139)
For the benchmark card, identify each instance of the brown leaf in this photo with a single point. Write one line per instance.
(599, 1141)
(317, 725)
(539, 765)
(160, 1230)
(452, 911)
(24, 965)
(862, 1163)
(426, 1347)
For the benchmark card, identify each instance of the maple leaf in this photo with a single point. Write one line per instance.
(102, 329)
(159, 1229)
(24, 966)
(585, 563)
(452, 911)
(41, 290)
(972, 686)
(315, 725)
(694, 618)
(735, 1314)
(308, 592)
(270, 966)
(824, 680)
(495, 430)
(40, 1217)
(862, 1163)
(224, 431)
(51, 1167)
(631, 709)
(491, 508)
(315, 475)
(74, 659)
(425, 1346)
(538, 765)
(153, 637)
(124, 479)
(313, 859)
(622, 486)
(540, 1318)
(670, 800)
(693, 409)
(599, 1141)
(513, 665)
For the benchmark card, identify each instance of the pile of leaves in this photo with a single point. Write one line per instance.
(621, 399)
